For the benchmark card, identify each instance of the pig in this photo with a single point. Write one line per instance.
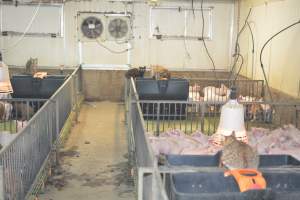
(211, 150)
(284, 140)
(7, 106)
(194, 93)
(216, 94)
(6, 115)
(22, 111)
(164, 146)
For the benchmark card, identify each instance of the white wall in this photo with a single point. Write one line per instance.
(51, 51)
(281, 58)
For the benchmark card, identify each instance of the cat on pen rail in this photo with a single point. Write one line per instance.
(157, 72)
(160, 73)
(31, 66)
(135, 72)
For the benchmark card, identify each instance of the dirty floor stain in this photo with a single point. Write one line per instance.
(93, 163)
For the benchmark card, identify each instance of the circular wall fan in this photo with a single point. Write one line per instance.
(92, 27)
(118, 28)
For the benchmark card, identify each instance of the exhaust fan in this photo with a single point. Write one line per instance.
(91, 27)
(118, 28)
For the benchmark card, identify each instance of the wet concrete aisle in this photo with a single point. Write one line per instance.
(93, 161)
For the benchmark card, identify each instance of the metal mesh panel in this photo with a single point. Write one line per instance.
(23, 158)
(190, 116)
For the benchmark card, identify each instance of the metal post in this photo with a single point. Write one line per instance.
(140, 183)
(2, 191)
(129, 126)
(56, 145)
(157, 119)
(126, 99)
(202, 113)
(57, 117)
(75, 97)
(71, 93)
(27, 110)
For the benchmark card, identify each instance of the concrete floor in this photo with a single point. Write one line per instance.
(93, 161)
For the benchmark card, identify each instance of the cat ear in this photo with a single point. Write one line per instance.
(233, 134)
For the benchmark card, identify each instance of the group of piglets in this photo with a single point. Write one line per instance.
(176, 142)
(284, 140)
(209, 93)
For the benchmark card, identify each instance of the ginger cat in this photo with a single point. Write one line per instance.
(160, 73)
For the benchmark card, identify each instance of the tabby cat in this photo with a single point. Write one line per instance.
(31, 66)
(238, 155)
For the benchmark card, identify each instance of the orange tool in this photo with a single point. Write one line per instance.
(248, 179)
(40, 75)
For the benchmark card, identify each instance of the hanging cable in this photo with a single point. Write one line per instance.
(204, 44)
(240, 68)
(252, 36)
(253, 49)
(262, 50)
(193, 9)
(237, 48)
(186, 49)
(242, 29)
(26, 30)
(187, 53)
(112, 51)
(234, 63)
(252, 55)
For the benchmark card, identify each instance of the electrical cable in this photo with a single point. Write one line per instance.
(123, 41)
(186, 49)
(240, 68)
(204, 44)
(234, 63)
(252, 38)
(262, 50)
(26, 30)
(237, 48)
(242, 29)
(112, 51)
(193, 9)
(253, 49)
(252, 55)
(187, 53)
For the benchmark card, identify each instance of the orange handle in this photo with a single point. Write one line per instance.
(244, 172)
(254, 180)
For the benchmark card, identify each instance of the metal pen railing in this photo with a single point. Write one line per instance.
(25, 156)
(16, 112)
(140, 151)
(189, 117)
(158, 116)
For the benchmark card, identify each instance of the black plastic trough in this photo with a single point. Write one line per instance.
(173, 89)
(213, 160)
(281, 172)
(214, 186)
(25, 86)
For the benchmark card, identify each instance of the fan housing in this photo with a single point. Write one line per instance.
(118, 28)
